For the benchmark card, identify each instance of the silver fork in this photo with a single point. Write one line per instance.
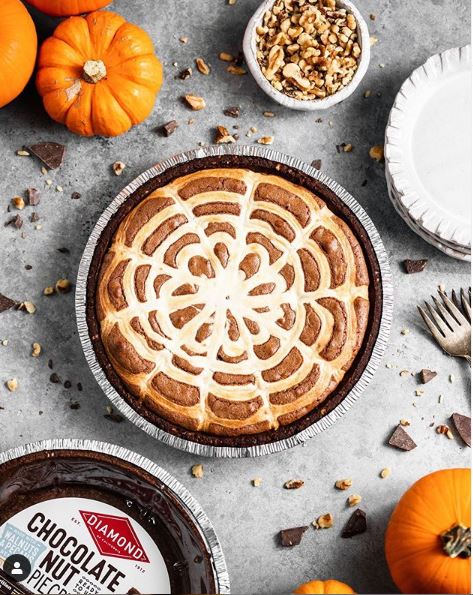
(450, 327)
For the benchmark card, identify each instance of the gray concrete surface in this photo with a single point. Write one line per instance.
(247, 519)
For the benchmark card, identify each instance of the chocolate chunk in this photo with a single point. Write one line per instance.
(51, 154)
(415, 266)
(364, 183)
(169, 128)
(401, 439)
(67, 384)
(462, 425)
(76, 195)
(34, 217)
(6, 303)
(291, 537)
(427, 375)
(232, 111)
(54, 378)
(28, 267)
(50, 364)
(74, 405)
(34, 196)
(356, 524)
(64, 250)
(185, 74)
(79, 386)
(15, 221)
(317, 163)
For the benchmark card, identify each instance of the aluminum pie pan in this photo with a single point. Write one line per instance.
(201, 444)
(414, 159)
(447, 248)
(193, 509)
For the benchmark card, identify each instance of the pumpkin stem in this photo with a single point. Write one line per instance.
(456, 542)
(94, 71)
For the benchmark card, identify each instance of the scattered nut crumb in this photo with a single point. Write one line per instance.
(372, 17)
(373, 40)
(266, 140)
(404, 422)
(257, 481)
(343, 484)
(347, 147)
(5, 342)
(269, 114)
(28, 306)
(59, 189)
(195, 102)
(238, 70)
(324, 521)
(118, 167)
(443, 429)
(354, 500)
(197, 471)
(36, 350)
(223, 136)
(63, 285)
(419, 392)
(202, 66)
(226, 57)
(231, 2)
(23, 153)
(440, 398)
(294, 484)
(404, 373)
(367, 93)
(184, 39)
(377, 152)
(18, 202)
(451, 378)
(49, 290)
(12, 384)
(405, 331)
(442, 287)
(384, 473)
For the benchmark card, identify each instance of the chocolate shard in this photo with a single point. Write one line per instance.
(6, 303)
(291, 537)
(51, 154)
(356, 524)
(34, 196)
(232, 111)
(415, 266)
(317, 163)
(169, 128)
(401, 439)
(427, 375)
(462, 425)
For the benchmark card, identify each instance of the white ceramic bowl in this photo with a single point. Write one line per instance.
(249, 49)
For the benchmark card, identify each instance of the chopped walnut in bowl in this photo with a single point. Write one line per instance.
(307, 54)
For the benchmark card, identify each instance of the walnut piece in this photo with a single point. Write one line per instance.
(195, 102)
(197, 471)
(343, 484)
(324, 521)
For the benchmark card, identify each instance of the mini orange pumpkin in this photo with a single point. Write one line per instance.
(18, 45)
(67, 8)
(428, 539)
(98, 74)
(330, 586)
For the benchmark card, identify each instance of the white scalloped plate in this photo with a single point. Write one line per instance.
(447, 248)
(428, 149)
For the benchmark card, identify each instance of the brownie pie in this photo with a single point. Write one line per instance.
(231, 301)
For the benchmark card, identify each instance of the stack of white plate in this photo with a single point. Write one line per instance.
(428, 152)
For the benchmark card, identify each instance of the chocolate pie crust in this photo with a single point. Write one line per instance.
(334, 203)
(46, 475)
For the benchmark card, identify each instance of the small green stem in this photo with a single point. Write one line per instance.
(456, 541)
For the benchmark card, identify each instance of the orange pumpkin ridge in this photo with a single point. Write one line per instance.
(18, 45)
(428, 539)
(67, 8)
(98, 74)
(319, 587)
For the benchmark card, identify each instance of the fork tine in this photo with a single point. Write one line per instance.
(449, 319)
(465, 302)
(444, 328)
(455, 311)
(431, 326)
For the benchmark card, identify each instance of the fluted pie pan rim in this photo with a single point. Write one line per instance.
(357, 377)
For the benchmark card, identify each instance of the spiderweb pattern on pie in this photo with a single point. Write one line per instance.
(232, 302)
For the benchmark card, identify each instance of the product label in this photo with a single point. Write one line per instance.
(77, 545)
